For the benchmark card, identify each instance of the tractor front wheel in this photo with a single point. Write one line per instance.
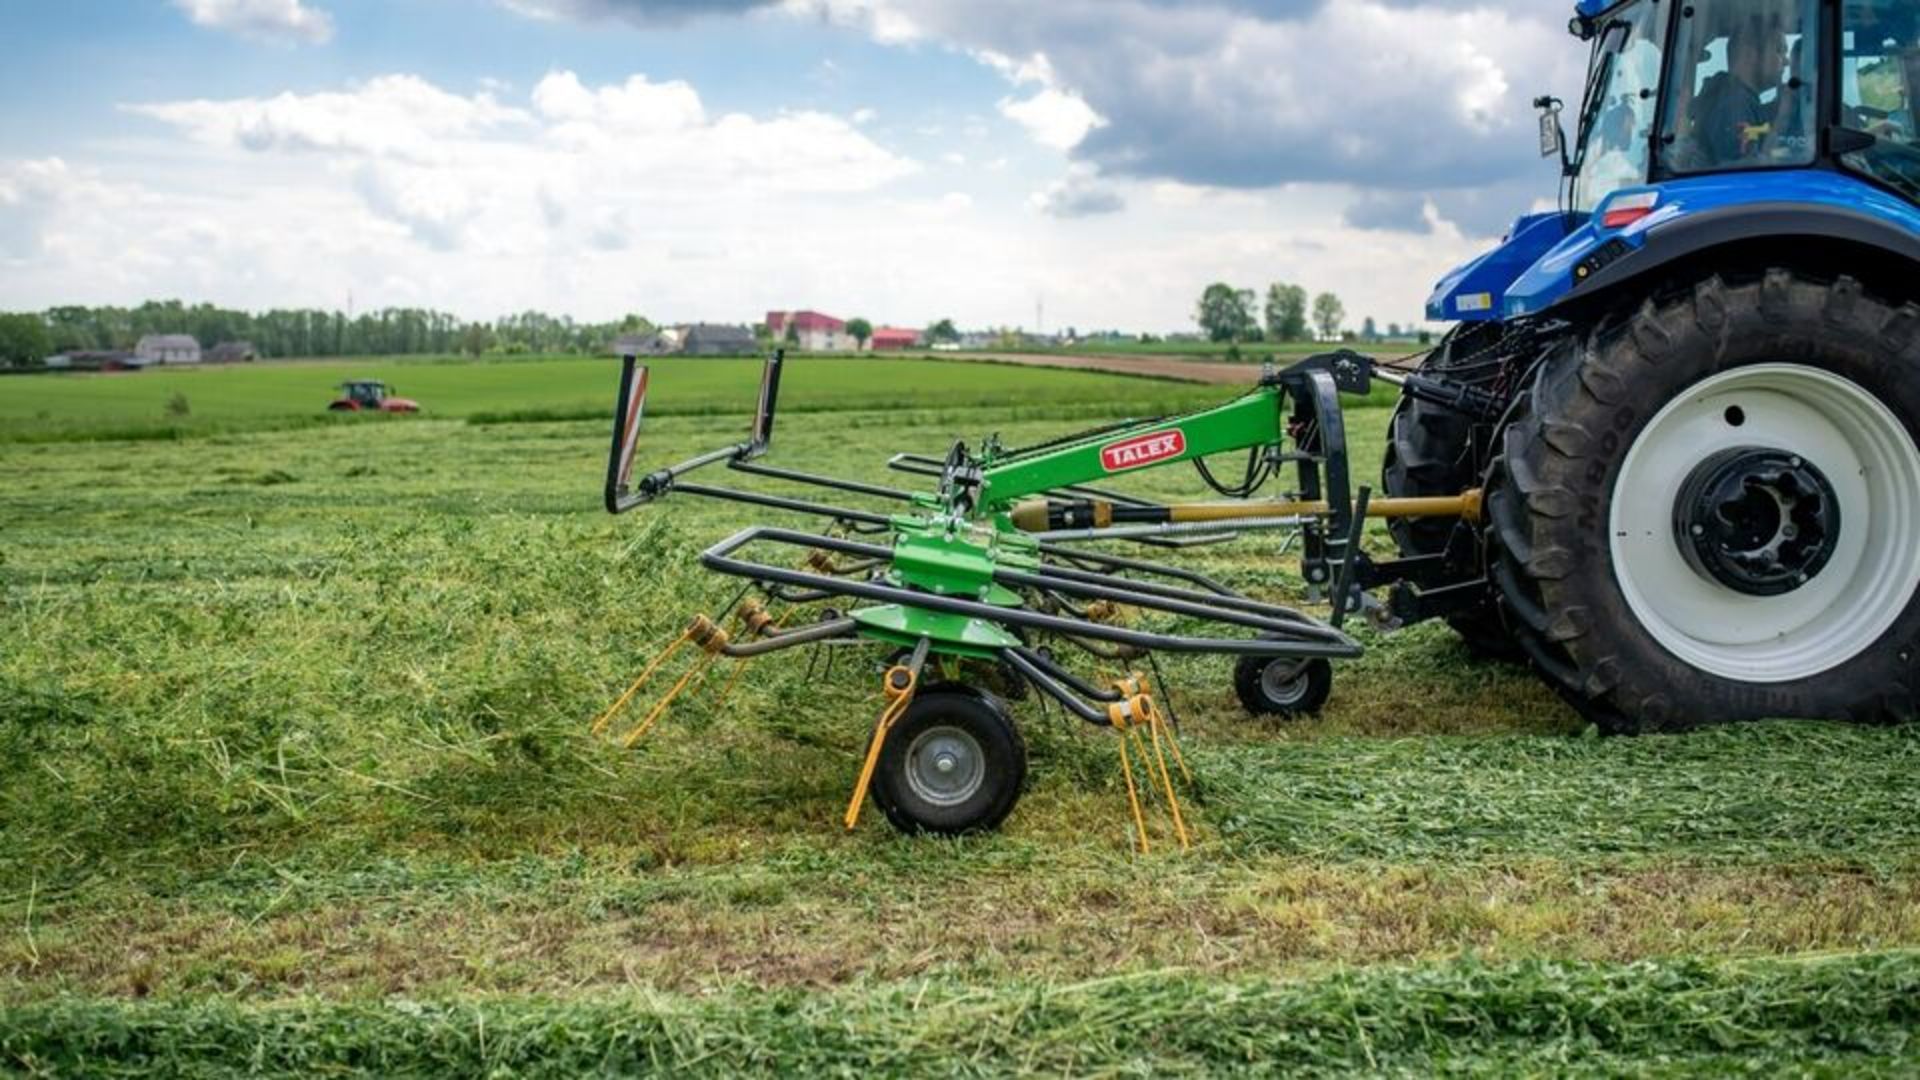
(953, 763)
(1709, 509)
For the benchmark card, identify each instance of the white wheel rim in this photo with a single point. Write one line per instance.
(1871, 461)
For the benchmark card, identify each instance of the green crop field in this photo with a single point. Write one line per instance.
(186, 402)
(295, 778)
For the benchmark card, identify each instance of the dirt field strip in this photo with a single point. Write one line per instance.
(1213, 372)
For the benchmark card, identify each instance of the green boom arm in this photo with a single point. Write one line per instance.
(1249, 421)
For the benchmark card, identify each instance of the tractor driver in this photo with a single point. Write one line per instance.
(1729, 121)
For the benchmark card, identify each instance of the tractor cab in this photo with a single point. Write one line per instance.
(370, 395)
(1729, 86)
(367, 394)
(1716, 122)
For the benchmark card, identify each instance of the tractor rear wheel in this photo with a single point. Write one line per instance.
(953, 763)
(1709, 510)
(1430, 452)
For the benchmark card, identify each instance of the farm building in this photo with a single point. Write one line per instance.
(662, 342)
(892, 337)
(168, 349)
(813, 331)
(233, 352)
(705, 339)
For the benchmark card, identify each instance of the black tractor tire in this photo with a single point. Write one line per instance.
(1430, 452)
(1287, 689)
(973, 733)
(1552, 486)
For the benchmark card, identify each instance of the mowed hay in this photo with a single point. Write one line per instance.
(293, 742)
(1846, 1014)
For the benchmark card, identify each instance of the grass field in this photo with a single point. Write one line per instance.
(279, 396)
(294, 778)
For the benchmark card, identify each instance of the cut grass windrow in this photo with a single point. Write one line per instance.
(1777, 791)
(1849, 1013)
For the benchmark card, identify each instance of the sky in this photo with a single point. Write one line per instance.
(1038, 163)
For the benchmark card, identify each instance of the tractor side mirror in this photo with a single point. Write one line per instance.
(1553, 137)
(1552, 140)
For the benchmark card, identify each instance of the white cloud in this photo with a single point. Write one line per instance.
(39, 197)
(469, 173)
(1055, 118)
(283, 21)
(401, 116)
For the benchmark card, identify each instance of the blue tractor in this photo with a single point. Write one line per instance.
(1691, 393)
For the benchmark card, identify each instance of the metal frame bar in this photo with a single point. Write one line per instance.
(1297, 638)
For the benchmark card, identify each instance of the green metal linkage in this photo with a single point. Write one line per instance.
(1257, 419)
(955, 635)
(951, 558)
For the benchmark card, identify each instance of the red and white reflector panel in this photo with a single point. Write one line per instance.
(636, 404)
(1623, 210)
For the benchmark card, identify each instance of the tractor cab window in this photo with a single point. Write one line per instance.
(1879, 72)
(1742, 86)
(1616, 122)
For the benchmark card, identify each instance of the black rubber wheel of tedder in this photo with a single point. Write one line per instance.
(1570, 561)
(954, 763)
(1288, 689)
(1430, 452)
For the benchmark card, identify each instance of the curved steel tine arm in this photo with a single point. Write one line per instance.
(1138, 566)
(1076, 683)
(818, 632)
(1046, 683)
(1289, 639)
(854, 487)
(781, 502)
(1168, 598)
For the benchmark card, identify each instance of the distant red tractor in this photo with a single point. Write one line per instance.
(369, 395)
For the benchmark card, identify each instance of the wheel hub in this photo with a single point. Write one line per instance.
(945, 766)
(1761, 522)
(1283, 682)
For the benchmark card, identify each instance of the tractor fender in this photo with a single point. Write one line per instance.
(1816, 236)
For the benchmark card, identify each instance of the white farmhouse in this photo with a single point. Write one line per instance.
(168, 349)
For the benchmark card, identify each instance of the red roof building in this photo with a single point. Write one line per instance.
(893, 337)
(813, 331)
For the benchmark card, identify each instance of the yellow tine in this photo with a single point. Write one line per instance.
(600, 724)
(660, 706)
(1166, 780)
(1133, 796)
(1179, 759)
(888, 717)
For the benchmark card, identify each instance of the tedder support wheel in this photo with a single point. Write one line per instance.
(954, 763)
(1709, 510)
(1279, 687)
(1430, 452)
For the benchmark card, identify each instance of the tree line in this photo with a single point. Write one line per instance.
(27, 338)
(1229, 314)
